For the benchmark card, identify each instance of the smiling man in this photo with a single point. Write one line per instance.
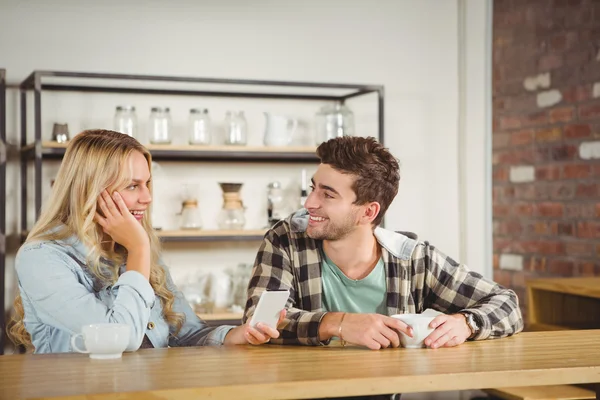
(347, 275)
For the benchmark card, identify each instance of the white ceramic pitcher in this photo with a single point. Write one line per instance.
(279, 130)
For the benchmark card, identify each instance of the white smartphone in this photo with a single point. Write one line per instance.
(269, 307)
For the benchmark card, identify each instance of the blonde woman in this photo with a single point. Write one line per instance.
(93, 257)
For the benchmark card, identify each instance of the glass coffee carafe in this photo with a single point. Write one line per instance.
(231, 216)
(190, 214)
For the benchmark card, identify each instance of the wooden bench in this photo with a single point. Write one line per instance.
(554, 392)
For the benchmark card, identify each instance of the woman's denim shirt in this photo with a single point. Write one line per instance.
(60, 296)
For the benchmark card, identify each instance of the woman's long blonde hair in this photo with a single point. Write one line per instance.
(95, 161)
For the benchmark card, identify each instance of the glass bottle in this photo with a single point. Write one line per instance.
(275, 203)
(199, 126)
(236, 128)
(190, 214)
(125, 120)
(160, 125)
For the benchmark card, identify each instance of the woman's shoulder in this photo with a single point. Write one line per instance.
(49, 252)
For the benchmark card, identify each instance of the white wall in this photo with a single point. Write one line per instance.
(410, 47)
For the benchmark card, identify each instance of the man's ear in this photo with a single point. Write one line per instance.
(371, 211)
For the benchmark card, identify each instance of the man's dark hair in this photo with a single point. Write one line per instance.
(376, 170)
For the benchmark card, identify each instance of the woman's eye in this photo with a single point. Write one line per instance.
(131, 187)
(328, 196)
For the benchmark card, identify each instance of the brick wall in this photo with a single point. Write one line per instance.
(546, 140)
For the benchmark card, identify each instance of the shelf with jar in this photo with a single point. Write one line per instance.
(334, 119)
(50, 149)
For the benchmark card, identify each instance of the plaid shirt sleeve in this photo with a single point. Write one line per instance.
(451, 287)
(274, 270)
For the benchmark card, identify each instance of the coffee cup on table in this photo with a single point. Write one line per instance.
(420, 326)
(102, 341)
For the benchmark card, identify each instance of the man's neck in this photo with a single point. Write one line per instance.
(356, 255)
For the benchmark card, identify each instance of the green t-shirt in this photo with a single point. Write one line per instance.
(342, 294)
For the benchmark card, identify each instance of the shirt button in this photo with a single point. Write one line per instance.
(150, 325)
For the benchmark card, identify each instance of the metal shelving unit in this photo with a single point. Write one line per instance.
(39, 150)
(2, 205)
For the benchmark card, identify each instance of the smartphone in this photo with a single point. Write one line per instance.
(269, 307)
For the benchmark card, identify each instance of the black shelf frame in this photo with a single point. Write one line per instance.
(3, 155)
(38, 82)
(236, 154)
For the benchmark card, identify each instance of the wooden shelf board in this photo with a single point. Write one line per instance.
(588, 287)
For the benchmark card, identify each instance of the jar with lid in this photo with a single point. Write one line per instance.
(125, 120)
(236, 128)
(334, 121)
(199, 126)
(160, 125)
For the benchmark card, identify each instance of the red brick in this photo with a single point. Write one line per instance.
(513, 157)
(562, 114)
(545, 247)
(509, 122)
(566, 229)
(580, 210)
(523, 209)
(577, 131)
(501, 210)
(547, 172)
(550, 61)
(519, 279)
(576, 171)
(561, 152)
(496, 261)
(500, 140)
(561, 190)
(563, 41)
(535, 263)
(586, 190)
(502, 245)
(535, 119)
(500, 174)
(509, 228)
(576, 94)
(598, 210)
(580, 249)
(525, 192)
(542, 228)
(586, 268)
(561, 267)
(550, 209)
(589, 110)
(522, 138)
(598, 250)
(548, 135)
(588, 229)
(502, 278)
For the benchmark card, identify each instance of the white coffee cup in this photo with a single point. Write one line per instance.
(420, 326)
(103, 341)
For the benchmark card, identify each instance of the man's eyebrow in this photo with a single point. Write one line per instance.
(326, 187)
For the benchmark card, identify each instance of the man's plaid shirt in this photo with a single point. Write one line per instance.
(418, 276)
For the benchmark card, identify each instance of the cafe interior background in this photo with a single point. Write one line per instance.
(492, 107)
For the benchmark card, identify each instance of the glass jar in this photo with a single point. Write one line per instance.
(334, 120)
(125, 120)
(160, 125)
(236, 128)
(199, 126)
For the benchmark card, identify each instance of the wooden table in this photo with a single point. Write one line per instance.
(563, 303)
(284, 372)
